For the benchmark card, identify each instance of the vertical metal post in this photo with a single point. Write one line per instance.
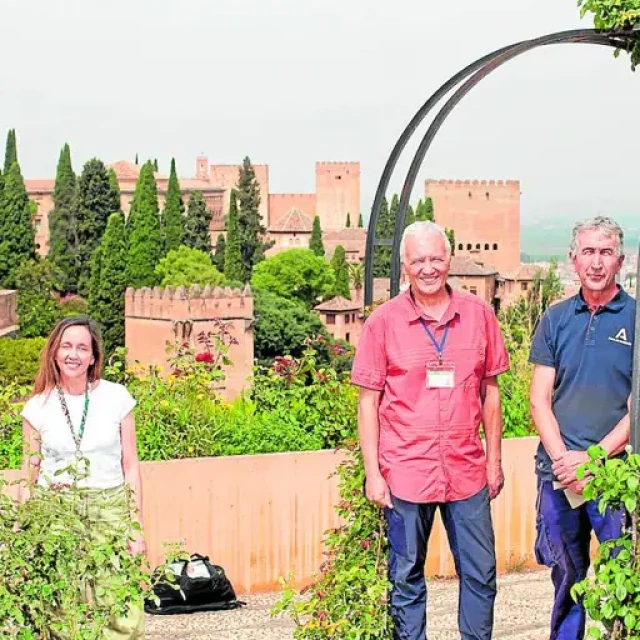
(635, 381)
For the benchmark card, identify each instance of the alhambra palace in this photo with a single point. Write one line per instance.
(485, 216)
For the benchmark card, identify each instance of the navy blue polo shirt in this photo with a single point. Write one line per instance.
(593, 358)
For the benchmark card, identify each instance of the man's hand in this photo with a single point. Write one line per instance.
(565, 467)
(579, 485)
(495, 478)
(377, 490)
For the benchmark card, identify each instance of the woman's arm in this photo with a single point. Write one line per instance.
(30, 460)
(131, 470)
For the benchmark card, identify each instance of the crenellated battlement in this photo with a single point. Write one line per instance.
(475, 183)
(193, 303)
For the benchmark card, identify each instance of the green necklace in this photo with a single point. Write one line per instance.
(77, 438)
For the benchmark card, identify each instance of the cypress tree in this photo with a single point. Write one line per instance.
(382, 255)
(233, 271)
(348, 223)
(63, 228)
(218, 256)
(155, 165)
(11, 151)
(144, 248)
(315, 243)
(452, 239)
(94, 203)
(137, 160)
(108, 283)
(410, 216)
(17, 233)
(115, 191)
(341, 271)
(197, 231)
(173, 216)
(249, 220)
(360, 222)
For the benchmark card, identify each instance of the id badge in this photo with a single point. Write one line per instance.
(440, 376)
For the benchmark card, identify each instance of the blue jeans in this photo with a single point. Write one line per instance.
(471, 538)
(562, 543)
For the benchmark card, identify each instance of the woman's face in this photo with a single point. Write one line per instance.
(75, 355)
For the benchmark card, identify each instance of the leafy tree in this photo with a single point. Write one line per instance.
(348, 222)
(281, 325)
(360, 222)
(197, 230)
(173, 217)
(95, 201)
(410, 216)
(356, 275)
(341, 271)
(144, 249)
(424, 210)
(382, 255)
(296, 273)
(38, 309)
(11, 151)
(108, 283)
(315, 243)
(232, 253)
(218, 256)
(186, 266)
(63, 226)
(17, 233)
(452, 239)
(250, 224)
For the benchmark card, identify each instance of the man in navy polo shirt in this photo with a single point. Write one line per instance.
(582, 351)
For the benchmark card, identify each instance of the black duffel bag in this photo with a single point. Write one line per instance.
(196, 585)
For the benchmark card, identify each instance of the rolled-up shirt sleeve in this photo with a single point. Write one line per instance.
(369, 368)
(496, 355)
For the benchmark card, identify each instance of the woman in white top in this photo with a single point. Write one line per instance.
(73, 414)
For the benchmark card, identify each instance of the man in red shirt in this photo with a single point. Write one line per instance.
(427, 366)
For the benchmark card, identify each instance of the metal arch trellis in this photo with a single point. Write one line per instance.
(468, 78)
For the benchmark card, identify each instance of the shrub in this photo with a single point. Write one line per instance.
(348, 601)
(73, 306)
(19, 359)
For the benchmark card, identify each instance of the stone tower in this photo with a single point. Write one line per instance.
(337, 194)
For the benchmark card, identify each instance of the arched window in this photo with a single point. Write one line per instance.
(460, 247)
(495, 247)
(469, 247)
(478, 246)
(486, 247)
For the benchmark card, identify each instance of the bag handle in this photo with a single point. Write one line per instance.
(197, 556)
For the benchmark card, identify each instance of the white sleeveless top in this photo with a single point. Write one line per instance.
(101, 444)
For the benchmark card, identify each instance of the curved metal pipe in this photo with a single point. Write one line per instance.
(395, 154)
(588, 36)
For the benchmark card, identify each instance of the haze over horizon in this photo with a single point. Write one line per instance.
(289, 83)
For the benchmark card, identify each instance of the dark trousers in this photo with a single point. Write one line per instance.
(562, 543)
(470, 532)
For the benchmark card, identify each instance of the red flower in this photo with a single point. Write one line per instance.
(205, 356)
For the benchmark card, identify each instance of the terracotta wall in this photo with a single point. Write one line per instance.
(262, 517)
(337, 193)
(281, 203)
(485, 286)
(8, 315)
(482, 214)
(225, 176)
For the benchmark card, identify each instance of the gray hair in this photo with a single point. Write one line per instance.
(607, 227)
(426, 228)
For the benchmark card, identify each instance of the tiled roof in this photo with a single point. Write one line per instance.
(338, 304)
(293, 221)
(352, 239)
(524, 272)
(461, 266)
(34, 186)
(125, 170)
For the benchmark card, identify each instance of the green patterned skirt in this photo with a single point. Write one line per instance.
(107, 511)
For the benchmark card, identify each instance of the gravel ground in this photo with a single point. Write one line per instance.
(522, 612)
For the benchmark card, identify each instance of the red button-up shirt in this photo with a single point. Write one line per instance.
(430, 448)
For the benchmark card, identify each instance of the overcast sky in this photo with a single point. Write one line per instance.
(289, 82)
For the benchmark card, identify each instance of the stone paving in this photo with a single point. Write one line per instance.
(522, 613)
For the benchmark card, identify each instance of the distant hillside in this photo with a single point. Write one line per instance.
(549, 238)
